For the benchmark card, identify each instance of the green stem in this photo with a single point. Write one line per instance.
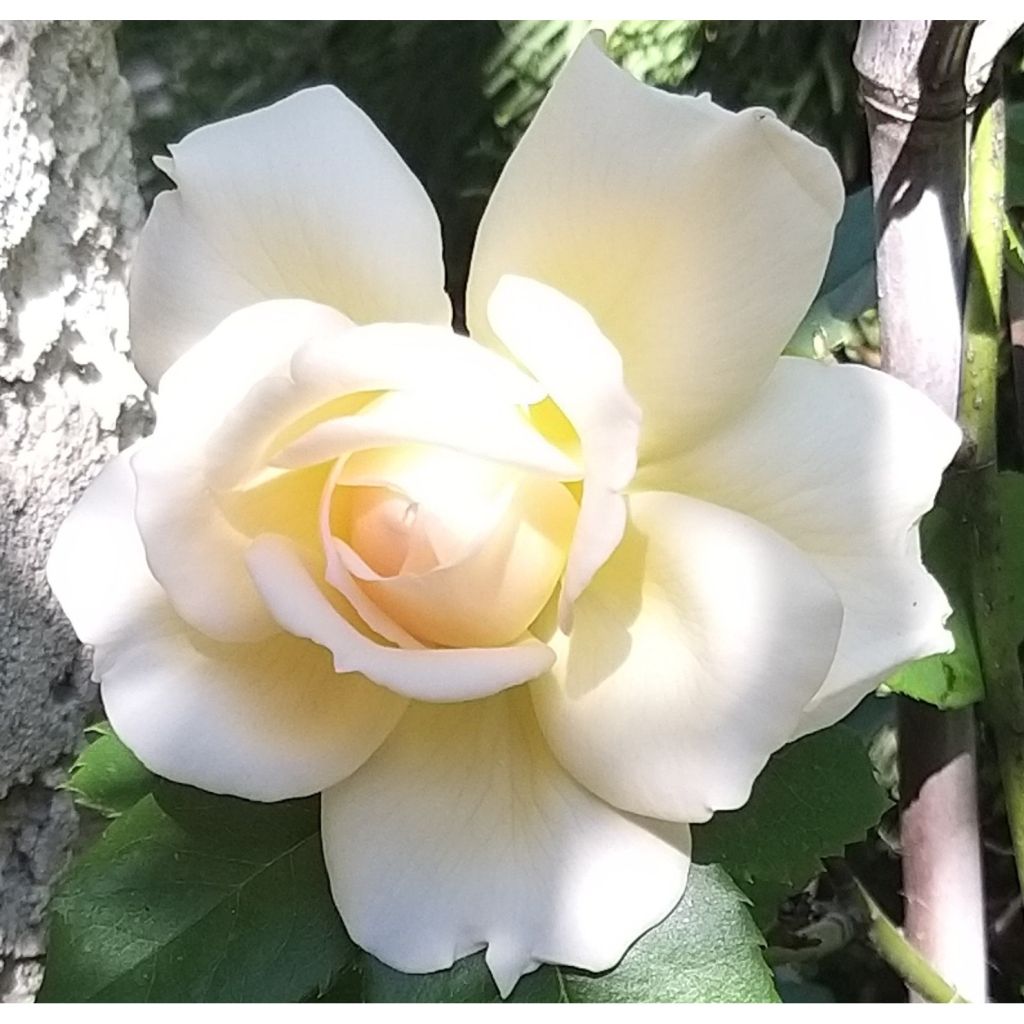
(992, 591)
(903, 958)
(983, 320)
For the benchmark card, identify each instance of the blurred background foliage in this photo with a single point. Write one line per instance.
(454, 97)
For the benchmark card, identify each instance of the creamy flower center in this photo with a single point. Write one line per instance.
(458, 551)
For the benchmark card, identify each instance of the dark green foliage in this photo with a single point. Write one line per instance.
(189, 896)
(817, 795)
(800, 69)
(708, 950)
(108, 777)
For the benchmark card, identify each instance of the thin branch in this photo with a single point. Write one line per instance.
(992, 592)
(903, 958)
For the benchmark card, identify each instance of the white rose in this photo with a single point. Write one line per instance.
(522, 607)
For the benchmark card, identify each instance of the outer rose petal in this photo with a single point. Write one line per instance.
(695, 237)
(264, 721)
(463, 832)
(693, 653)
(843, 461)
(303, 199)
(559, 343)
(430, 674)
(95, 569)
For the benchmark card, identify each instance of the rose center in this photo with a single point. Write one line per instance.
(456, 550)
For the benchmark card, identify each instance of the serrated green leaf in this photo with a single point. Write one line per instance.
(193, 897)
(107, 777)
(815, 796)
(947, 681)
(708, 950)
(951, 680)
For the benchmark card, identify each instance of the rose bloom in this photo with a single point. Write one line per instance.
(523, 606)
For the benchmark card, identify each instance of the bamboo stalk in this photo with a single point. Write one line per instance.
(912, 83)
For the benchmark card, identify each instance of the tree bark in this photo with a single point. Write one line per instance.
(913, 86)
(69, 398)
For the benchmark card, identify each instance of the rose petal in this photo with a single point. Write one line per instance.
(463, 832)
(693, 654)
(270, 369)
(414, 357)
(264, 721)
(299, 606)
(491, 594)
(97, 568)
(203, 388)
(471, 423)
(554, 337)
(192, 547)
(302, 199)
(843, 461)
(695, 237)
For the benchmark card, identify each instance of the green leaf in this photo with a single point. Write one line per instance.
(108, 777)
(194, 897)
(946, 680)
(815, 796)
(467, 981)
(848, 288)
(708, 950)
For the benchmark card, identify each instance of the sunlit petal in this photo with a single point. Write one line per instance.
(695, 237)
(843, 461)
(692, 656)
(302, 199)
(463, 832)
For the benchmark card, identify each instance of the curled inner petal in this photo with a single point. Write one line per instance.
(455, 551)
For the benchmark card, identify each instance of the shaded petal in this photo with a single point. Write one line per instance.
(192, 547)
(695, 237)
(302, 199)
(693, 654)
(844, 461)
(463, 832)
(559, 343)
(97, 568)
(299, 605)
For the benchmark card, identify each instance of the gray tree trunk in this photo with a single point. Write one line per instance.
(69, 210)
